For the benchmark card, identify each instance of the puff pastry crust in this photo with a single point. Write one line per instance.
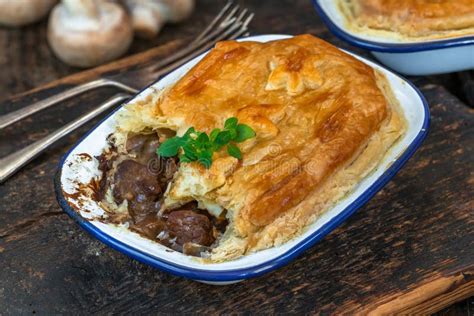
(412, 18)
(323, 121)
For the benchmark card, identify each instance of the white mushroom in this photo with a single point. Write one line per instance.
(23, 12)
(149, 16)
(176, 10)
(87, 33)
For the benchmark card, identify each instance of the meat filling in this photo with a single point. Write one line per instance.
(189, 226)
(140, 179)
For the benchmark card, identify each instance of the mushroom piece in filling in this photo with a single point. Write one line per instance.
(139, 177)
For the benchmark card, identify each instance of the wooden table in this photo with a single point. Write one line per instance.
(410, 249)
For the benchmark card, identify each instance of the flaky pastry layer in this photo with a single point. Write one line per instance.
(410, 19)
(323, 121)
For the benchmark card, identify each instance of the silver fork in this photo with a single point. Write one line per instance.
(230, 23)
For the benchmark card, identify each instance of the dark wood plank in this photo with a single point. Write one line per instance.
(461, 308)
(410, 249)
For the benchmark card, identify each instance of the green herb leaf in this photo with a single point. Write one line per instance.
(190, 152)
(231, 123)
(184, 158)
(214, 134)
(222, 138)
(234, 151)
(233, 133)
(170, 147)
(202, 139)
(244, 132)
(205, 159)
(198, 146)
(190, 131)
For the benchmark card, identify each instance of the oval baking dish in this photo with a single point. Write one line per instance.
(73, 169)
(424, 57)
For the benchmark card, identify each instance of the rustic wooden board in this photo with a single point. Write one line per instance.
(410, 249)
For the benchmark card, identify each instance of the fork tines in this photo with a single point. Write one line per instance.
(230, 23)
(229, 19)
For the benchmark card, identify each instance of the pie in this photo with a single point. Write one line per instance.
(323, 120)
(410, 19)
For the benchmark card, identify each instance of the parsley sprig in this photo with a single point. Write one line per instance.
(198, 146)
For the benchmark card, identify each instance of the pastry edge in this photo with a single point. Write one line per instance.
(351, 24)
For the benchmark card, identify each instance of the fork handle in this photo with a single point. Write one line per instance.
(13, 162)
(12, 117)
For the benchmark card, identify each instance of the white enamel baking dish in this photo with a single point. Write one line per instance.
(409, 58)
(74, 169)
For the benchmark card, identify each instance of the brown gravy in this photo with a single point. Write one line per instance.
(140, 178)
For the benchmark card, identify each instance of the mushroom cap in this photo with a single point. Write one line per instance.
(84, 41)
(23, 12)
(176, 10)
(149, 16)
(147, 20)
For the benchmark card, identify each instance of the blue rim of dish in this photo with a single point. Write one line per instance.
(261, 268)
(389, 47)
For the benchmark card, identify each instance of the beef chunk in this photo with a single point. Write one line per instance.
(188, 226)
(150, 226)
(137, 184)
(134, 180)
(143, 146)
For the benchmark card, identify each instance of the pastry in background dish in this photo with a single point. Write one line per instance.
(323, 121)
(410, 19)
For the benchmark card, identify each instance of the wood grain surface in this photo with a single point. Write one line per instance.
(409, 250)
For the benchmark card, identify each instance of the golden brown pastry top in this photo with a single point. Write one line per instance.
(414, 18)
(312, 106)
